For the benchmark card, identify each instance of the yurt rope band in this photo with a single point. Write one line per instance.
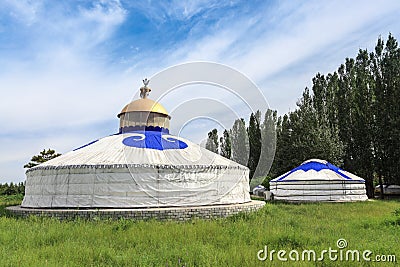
(119, 166)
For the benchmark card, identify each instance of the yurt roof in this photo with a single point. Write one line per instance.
(145, 148)
(316, 169)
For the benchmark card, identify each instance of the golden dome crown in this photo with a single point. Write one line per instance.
(144, 104)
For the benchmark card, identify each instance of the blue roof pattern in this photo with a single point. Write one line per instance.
(315, 165)
(153, 140)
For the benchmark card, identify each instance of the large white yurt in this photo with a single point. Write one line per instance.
(142, 166)
(318, 180)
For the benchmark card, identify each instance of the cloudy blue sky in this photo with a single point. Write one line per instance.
(68, 67)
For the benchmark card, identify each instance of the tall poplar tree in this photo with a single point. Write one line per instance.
(239, 142)
(254, 135)
(212, 143)
(268, 143)
(225, 144)
(386, 70)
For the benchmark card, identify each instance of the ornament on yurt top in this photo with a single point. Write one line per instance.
(149, 121)
(144, 114)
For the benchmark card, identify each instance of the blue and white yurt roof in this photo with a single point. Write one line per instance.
(141, 147)
(316, 169)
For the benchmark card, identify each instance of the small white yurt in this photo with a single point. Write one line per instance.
(318, 180)
(142, 166)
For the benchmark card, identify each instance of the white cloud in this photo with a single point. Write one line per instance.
(63, 75)
(184, 10)
(103, 11)
(106, 14)
(66, 31)
(61, 84)
(265, 45)
(162, 11)
(25, 11)
(309, 29)
(62, 96)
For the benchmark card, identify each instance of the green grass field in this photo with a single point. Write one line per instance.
(235, 241)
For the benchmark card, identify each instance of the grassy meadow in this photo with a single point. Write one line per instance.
(234, 241)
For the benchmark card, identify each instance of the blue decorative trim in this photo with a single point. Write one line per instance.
(88, 144)
(153, 140)
(316, 166)
(128, 129)
(320, 180)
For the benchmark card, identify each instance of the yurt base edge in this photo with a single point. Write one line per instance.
(172, 213)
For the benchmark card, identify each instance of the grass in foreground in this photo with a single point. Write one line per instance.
(235, 241)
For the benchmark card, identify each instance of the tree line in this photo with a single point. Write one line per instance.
(12, 188)
(350, 117)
